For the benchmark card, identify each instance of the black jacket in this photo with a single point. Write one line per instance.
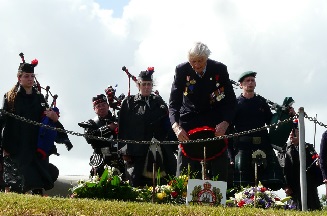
(27, 106)
(20, 139)
(99, 127)
(141, 118)
(292, 167)
(206, 101)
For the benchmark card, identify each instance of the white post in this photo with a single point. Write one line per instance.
(302, 156)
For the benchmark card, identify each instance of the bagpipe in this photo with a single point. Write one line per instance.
(278, 134)
(313, 168)
(47, 137)
(114, 101)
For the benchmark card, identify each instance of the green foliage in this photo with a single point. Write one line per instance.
(174, 192)
(109, 186)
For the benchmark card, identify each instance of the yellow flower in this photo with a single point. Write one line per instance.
(160, 196)
(184, 177)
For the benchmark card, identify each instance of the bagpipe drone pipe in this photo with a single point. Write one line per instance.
(114, 101)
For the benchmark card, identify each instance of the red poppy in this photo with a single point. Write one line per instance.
(263, 189)
(241, 203)
(174, 194)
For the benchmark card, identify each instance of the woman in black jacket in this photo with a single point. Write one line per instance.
(24, 169)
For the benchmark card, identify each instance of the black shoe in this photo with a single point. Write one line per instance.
(37, 192)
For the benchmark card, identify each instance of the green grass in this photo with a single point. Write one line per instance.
(18, 204)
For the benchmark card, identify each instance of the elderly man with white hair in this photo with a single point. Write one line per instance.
(202, 105)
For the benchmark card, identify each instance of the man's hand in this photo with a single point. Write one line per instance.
(180, 132)
(221, 128)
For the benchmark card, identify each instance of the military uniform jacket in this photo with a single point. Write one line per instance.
(16, 132)
(98, 127)
(20, 139)
(201, 101)
(141, 118)
(252, 113)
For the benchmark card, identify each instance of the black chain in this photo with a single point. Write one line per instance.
(151, 142)
(314, 120)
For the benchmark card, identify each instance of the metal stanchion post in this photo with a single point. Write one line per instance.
(302, 156)
(203, 163)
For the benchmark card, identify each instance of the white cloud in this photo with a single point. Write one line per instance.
(81, 49)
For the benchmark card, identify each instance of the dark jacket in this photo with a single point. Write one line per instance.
(98, 127)
(20, 139)
(28, 106)
(292, 175)
(292, 167)
(206, 101)
(323, 154)
(141, 118)
(252, 113)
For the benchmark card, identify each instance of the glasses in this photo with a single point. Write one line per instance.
(146, 84)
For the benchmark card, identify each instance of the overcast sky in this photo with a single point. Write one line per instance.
(82, 45)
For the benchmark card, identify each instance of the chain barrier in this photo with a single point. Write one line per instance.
(313, 119)
(152, 142)
(273, 106)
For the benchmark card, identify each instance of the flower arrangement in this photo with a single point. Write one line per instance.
(109, 186)
(174, 192)
(259, 197)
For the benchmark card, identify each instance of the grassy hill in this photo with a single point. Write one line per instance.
(18, 204)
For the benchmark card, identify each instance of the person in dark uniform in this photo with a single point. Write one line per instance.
(144, 117)
(254, 112)
(292, 173)
(104, 124)
(24, 169)
(202, 97)
(323, 156)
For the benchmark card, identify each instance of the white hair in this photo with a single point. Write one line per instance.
(199, 50)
